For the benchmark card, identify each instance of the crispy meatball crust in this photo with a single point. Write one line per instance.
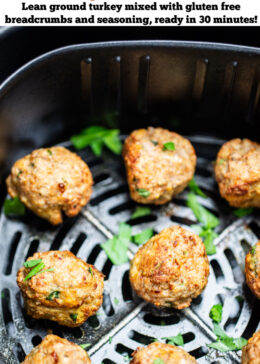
(237, 171)
(54, 350)
(252, 269)
(169, 354)
(79, 286)
(164, 173)
(49, 181)
(171, 268)
(251, 352)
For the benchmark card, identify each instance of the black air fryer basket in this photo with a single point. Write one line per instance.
(207, 92)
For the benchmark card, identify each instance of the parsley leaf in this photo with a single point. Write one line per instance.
(85, 346)
(158, 361)
(37, 269)
(208, 236)
(224, 342)
(52, 295)
(91, 271)
(74, 317)
(116, 301)
(175, 340)
(169, 146)
(96, 137)
(140, 211)
(14, 207)
(32, 263)
(116, 247)
(110, 339)
(204, 216)
(243, 212)
(195, 188)
(143, 192)
(143, 236)
(216, 313)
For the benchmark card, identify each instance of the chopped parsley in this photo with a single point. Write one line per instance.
(32, 263)
(143, 236)
(74, 317)
(169, 146)
(116, 301)
(224, 342)
(19, 173)
(221, 161)
(253, 250)
(243, 211)
(208, 222)
(216, 313)
(175, 340)
(14, 207)
(195, 188)
(85, 346)
(35, 270)
(116, 247)
(91, 271)
(143, 192)
(53, 295)
(154, 142)
(140, 211)
(49, 151)
(110, 339)
(96, 137)
(158, 361)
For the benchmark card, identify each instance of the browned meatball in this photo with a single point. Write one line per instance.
(68, 290)
(169, 354)
(237, 172)
(54, 350)
(155, 174)
(251, 352)
(252, 269)
(171, 268)
(49, 181)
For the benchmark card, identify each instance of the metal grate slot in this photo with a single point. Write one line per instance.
(13, 247)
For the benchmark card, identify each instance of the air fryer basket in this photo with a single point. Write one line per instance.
(208, 92)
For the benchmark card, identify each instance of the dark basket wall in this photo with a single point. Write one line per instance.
(188, 87)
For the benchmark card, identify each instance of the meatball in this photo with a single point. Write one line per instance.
(251, 352)
(49, 181)
(237, 171)
(159, 164)
(66, 289)
(54, 350)
(252, 269)
(169, 354)
(171, 268)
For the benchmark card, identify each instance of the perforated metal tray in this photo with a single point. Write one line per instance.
(124, 321)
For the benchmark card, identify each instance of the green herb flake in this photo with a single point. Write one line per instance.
(53, 295)
(239, 299)
(169, 146)
(91, 271)
(35, 270)
(253, 250)
(205, 217)
(19, 173)
(175, 340)
(49, 151)
(143, 192)
(31, 263)
(116, 248)
(110, 339)
(243, 212)
(126, 357)
(14, 207)
(221, 161)
(224, 343)
(143, 236)
(216, 313)
(74, 317)
(158, 361)
(116, 301)
(141, 211)
(154, 142)
(85, 346)
(195, 188)
(96, 137)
